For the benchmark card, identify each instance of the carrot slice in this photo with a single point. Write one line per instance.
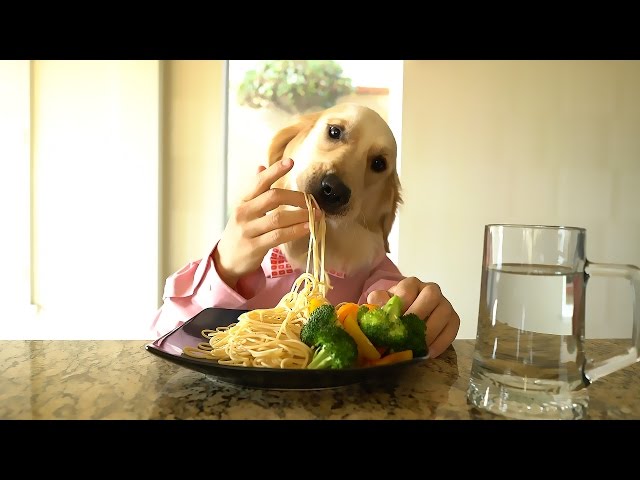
(396, 357)
(345, 309)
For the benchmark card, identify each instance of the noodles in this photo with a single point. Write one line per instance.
(271, 337)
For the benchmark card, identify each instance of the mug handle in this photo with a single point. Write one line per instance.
(596, 370)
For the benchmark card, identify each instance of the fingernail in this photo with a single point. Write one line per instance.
(287, 162)
(306, 226)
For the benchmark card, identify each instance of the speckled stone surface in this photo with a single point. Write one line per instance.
(121, 380)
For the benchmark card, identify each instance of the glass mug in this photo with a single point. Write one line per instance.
(529, 359)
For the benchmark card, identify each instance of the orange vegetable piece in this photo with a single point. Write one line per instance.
(396, 357)
(345, 310)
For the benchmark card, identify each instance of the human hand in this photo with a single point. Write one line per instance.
(427, 302)
(252, 230)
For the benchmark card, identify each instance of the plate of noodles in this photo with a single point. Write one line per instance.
(172, 345)
(279, 347)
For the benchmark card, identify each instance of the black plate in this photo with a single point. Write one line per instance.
(170, 348)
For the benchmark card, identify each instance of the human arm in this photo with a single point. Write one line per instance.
(231, 273)
(198, 285)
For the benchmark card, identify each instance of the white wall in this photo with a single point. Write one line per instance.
(95, 128)
(550, 142)
(193, 160)
(14, 186)
(96, 136)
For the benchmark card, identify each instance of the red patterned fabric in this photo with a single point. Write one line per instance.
(280, 267)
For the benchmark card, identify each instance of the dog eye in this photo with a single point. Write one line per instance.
(335, 132)
(379, 164)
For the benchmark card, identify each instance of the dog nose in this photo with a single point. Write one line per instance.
(333, 193)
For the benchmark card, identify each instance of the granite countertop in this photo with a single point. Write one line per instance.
(121, 380)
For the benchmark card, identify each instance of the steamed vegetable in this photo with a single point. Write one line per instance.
(396, 357)
(383, 325)
(333, 347)
(387, 327)
(366, 349)
(315, 303)
(322, 317)
(345, 310)
(416, 335)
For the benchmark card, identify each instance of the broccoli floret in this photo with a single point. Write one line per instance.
(383, 326)
(323, 316)
(393, 307)
(362, 309)
(387, 327)
(335, 349)
(333, 346)
(416, 338)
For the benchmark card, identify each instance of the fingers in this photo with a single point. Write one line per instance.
(426, 301)
(417, 297)
(268, 201)
(432, 306)
(275, 220)
(279, 236)
(378, 297)
(407, 289)
(267, 176)
(438, 320)
(446, 337)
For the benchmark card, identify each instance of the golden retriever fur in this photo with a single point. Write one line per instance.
(358, 234)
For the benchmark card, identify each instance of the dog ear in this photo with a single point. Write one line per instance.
(282, 138)
(393, 193)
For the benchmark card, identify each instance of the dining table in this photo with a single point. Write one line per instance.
(122, 380)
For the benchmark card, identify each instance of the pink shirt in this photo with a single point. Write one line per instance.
(197, 286)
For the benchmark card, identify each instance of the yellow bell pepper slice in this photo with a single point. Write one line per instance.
(365, 347)
(315, 303)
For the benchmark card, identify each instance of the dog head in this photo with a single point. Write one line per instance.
(345, 157)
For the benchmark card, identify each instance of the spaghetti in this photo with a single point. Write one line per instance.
(270, 337)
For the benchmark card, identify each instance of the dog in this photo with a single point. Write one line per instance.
(345, 156)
